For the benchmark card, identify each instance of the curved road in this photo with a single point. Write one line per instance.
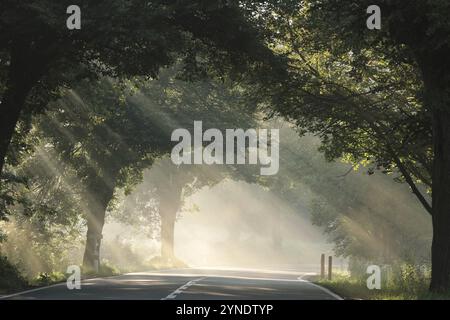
(188, 284)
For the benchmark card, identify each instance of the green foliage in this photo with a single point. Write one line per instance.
(402, 281)
(41, 249)
(41, 57)
(42, 233)
(371, 98)
(123, 256)
(133, 38)
(411, 279)
(107, 270)
(365, 217)
(10, 184)
(173, 103)
(10, 276)
(48, 278)
(107, 140)
(161, 263)
(362, 96)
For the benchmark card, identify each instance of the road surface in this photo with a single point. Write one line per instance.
(188, 284)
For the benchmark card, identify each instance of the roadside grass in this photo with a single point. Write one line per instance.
(46, 279)
(49, 278)
(11, 279)
(356, 288)
(159, 262)
(106, 269)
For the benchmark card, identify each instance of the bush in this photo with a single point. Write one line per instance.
(400, 281)
(10, 276)
(159, 262)
(106, 269)
(411, 279)
(48, 278)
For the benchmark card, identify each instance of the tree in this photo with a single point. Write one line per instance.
(107, 141)
(377, 97)
(39, 54)
(43, 227)
(159, 199)
(177, 104)
(110, 132)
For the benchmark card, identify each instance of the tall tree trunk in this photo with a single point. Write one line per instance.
(21, 79)
(11, 107)
(168, 217)
(99, 198)
(437, 88)
(169, 204)
(441, 202)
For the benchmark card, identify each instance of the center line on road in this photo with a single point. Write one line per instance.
(184, 287)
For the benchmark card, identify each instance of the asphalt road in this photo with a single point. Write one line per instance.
(188, 284)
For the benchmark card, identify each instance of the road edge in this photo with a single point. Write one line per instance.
(328, 291)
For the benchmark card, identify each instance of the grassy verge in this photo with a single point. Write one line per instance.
(352, 288)
(12, 281)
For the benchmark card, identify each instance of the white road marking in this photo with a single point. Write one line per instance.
(334, 295)
(63, 283)
(306, 274)
(180, 290)
(184, 287)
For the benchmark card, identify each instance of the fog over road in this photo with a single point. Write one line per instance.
(188, 284)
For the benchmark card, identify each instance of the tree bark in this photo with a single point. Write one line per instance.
(168, 218)
(440, 251)
(99, 198)
(168, 207)
(21, 79)
(11, 107)
(436, 73)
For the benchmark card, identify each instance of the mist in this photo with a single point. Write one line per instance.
(236, 224)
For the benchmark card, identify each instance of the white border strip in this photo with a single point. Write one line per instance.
(56, 285)
(334, 295)
(185, 286)
(31, 290)
(85, 279)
